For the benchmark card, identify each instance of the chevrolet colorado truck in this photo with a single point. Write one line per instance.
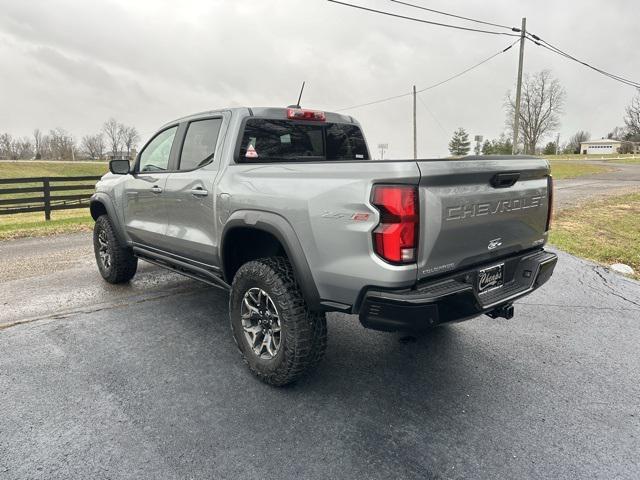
(286, 209)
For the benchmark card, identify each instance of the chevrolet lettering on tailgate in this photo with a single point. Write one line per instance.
(471, 210)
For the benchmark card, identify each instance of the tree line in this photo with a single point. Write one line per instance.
(541, 106)
(114, 140)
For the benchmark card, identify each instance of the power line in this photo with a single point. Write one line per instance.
(534, 38)
(431, 86)
(457, 27)
(469, 69)
(544, 44)
(424, 104)
(440, 12)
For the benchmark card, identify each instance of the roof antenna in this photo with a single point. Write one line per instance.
(297, 105)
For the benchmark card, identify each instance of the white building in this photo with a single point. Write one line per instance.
(600, 147)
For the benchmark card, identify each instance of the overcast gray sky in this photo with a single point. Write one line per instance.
(75, 63)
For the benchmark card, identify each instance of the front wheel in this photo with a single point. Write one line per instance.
(278, 336)
(116, 261)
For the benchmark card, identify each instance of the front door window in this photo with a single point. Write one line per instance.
(155, 156)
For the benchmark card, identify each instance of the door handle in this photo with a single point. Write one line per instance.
(199, 192)
(156, 189)
(504, 180)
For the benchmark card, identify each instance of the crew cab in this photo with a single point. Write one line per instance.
(285, 208)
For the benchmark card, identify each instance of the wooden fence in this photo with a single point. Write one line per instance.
(40, 194)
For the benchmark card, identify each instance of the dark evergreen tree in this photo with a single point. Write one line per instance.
(460, 144)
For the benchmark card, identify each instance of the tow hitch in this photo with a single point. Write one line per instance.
(503, 311)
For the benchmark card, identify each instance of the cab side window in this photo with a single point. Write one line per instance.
(200, 143)
(155, 156)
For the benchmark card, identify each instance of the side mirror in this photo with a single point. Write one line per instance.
(119, 167)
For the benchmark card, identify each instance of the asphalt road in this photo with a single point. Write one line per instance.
(144, 381)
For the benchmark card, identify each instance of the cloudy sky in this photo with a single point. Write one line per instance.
(75, 63)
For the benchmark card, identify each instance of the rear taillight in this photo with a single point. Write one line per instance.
(396, 236)
(304, 114)
(550, 206)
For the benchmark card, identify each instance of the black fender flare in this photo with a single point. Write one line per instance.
(282, 230)
(107, 203)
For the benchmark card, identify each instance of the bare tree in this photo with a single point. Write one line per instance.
(632, 117)
(113, 132)
(62, 144)
(37, 143)
(23, 148)
(541, 104)
(130, 137)
(618, 133)
(94, 145)
(45, 147)
(573, 145)
(6, 147)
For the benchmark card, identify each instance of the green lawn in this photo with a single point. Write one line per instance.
(562, 170)
(607, 231)
(608, 156)
(51, 169)
(34, 225)
(62, 221)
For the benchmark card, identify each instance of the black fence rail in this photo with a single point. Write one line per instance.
(40, 194)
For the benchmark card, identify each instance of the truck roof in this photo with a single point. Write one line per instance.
(261, 112)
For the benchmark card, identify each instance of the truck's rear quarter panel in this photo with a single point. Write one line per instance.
(319, 200)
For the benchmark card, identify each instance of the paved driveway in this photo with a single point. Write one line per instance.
(573, 192)
(144, 381)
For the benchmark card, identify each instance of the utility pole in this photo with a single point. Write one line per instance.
(558, 144)
(382, 147)
(415, 128)
(516, 121)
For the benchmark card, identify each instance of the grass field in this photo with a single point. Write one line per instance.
(562, 170)
(62, 221)
(609, 156)
(607, 231)
(34, 225)
(51, 169)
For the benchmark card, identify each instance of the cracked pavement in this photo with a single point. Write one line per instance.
(144, 381)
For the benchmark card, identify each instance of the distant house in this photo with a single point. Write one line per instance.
(604, 146)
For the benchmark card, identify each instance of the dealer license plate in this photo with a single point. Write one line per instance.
(490, 278)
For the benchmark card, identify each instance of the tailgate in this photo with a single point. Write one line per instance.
(472, 212)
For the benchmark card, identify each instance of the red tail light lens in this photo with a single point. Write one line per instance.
(302, 114)
(550, 210)
(396, 236)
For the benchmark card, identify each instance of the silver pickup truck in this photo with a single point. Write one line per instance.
(285, 207)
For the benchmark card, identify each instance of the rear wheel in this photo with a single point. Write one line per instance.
(116, 261)
(278, 336)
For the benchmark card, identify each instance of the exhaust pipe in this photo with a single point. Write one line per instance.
(503, 311)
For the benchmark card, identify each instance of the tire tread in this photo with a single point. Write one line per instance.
(307, 341)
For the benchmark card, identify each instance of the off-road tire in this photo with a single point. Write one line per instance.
(304, 332)
(123, 264)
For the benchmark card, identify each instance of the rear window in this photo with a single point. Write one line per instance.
(199, 143)
(284, 140)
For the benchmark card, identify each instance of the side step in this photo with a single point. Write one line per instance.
(181, 267)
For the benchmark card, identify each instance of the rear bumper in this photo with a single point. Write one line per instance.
(455, 297)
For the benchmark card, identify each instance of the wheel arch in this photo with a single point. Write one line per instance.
(260, 226)
(101, 204)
